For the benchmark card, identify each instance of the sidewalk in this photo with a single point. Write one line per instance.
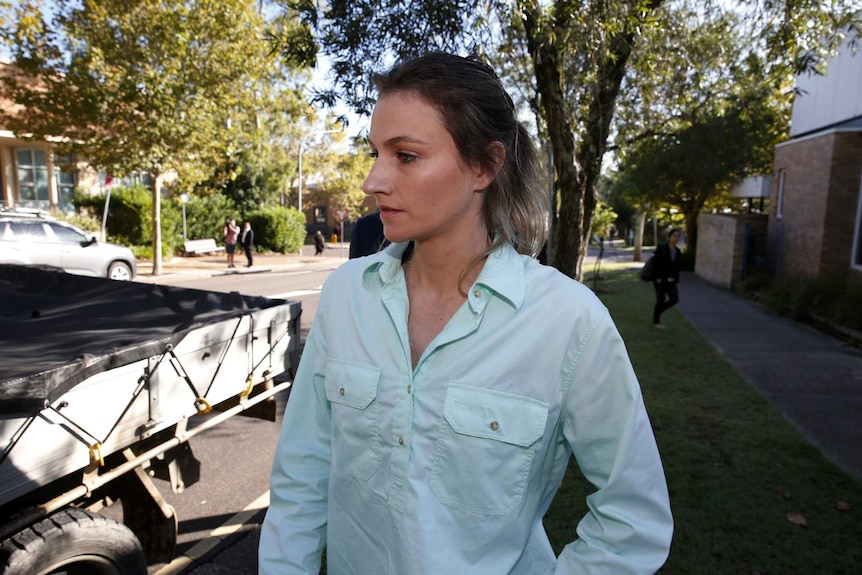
(813, 379)
(216, 264)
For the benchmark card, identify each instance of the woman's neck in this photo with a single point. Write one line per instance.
(444, 268)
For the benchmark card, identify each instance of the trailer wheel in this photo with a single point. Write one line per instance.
(73, 542)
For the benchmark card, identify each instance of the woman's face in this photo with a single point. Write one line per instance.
(674, 238)
(422, 188)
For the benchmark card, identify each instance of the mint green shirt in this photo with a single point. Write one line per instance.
(448, 468)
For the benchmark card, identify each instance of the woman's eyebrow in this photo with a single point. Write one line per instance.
(395, 140)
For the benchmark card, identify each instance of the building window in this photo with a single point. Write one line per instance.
(66, 174)
(133, 179)
(319, 214)
(779, 205)
(33, 178)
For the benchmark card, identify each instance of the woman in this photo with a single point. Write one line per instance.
(435, 442)
(319, 243)
(666, 277)
(230, 233)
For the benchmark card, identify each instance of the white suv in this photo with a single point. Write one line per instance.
(34, 239)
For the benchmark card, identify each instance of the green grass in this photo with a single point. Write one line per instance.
(735, 467)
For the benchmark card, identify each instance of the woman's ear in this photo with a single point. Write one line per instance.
(486, 174)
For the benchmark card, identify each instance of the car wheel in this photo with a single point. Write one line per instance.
(119, 271)
(73, 542)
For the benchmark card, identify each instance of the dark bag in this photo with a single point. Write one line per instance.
(646, 272)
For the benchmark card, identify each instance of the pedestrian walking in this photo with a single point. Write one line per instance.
(248, 243)
(435, 441)
(230, 233)
(666, 276)
(319, 243)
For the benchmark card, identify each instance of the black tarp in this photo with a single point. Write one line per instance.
(57, 329)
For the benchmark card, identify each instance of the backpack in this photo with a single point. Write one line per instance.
(646, 273)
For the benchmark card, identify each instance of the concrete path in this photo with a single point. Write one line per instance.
(813, 379)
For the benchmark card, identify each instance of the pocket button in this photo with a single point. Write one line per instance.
(495, 426)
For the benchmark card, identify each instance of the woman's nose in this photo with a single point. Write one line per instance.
(375, 182)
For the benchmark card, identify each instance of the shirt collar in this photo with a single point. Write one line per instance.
(502, 275)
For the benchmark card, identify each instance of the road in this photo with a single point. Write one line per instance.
(219, 516)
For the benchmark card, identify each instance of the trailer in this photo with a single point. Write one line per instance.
(102, 385)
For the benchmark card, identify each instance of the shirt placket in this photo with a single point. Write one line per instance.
(465, 322)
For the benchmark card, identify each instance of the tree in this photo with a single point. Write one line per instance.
(342, 175)
(137, 85)
(578, 56)
(688, 167)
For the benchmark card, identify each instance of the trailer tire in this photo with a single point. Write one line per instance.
(73, 542)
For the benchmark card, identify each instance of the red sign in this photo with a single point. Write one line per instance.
(341, 214)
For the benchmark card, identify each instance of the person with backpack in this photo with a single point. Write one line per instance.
(665, 276)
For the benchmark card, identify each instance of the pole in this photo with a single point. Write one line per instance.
(105, 214)
(299, 183)
(184, 198)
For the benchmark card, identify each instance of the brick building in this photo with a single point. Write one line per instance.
(815, 209)
(32, 175)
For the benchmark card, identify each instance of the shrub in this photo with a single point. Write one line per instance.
(833, 299)
(847, 311)
(84, 221)
(755, 283)
(278, 229)
(205, 216)
(130, 217)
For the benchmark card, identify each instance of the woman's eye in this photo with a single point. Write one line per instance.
(373, 153)
(406, 158)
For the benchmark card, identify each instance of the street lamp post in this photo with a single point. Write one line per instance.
(184, 198)
(301, 148)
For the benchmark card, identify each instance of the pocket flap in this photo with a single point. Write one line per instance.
(351, 384)
(492, 414)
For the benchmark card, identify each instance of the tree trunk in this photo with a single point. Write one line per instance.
(640, 224)
(545, 53)
(157, 224)
(576, 172)
(691, 230)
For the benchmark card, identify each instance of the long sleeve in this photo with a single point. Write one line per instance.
(294, 530)
(629, 526)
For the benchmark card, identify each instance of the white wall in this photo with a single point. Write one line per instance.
(830, 99)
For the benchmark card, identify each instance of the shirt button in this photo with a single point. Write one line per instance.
(341, 391)
(400, 441)
(495, 426)
(477, 293)
(409, 388)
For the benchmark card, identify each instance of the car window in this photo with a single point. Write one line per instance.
(67, 234)
(29, 231)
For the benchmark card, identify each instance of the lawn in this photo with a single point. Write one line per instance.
(750, 495)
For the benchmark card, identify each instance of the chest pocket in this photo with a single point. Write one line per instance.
(485, 447)
(352, 392)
